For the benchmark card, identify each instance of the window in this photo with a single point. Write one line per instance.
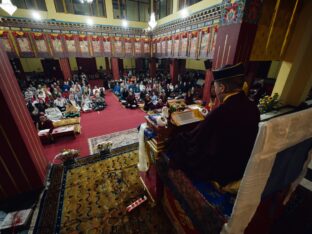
(134, 10)
(96, 8)
(163, 8)
(186, 3)
(30, 4)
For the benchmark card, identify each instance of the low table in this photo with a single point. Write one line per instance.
(63, 131)
(44, 136)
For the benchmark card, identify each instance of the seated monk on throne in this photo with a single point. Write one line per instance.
(218, 148)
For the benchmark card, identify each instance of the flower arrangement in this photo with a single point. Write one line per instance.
(104, 146)
(67, 155)
(268, 103)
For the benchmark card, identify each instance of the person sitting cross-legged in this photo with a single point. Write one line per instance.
(131, 101)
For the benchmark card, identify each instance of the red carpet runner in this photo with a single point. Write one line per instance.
(113, 119)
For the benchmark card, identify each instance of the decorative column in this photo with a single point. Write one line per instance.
(174, 70)
(65, 67)
(152, 67)
(237, 31)
(22, 161)
(115, 68)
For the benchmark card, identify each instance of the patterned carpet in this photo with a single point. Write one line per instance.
(94, 195)
(119, 139)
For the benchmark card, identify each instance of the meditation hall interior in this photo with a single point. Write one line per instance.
(156, 116)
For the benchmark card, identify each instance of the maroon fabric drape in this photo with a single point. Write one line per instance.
(22, 161)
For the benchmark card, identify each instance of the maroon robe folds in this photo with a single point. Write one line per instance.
(218, 148)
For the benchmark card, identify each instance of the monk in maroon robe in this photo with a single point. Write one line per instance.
(219, 147)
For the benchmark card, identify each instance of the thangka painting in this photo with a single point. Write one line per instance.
(57, 45)
(23, 44)
(118, 52)
(138, 48)
(164, 48)
(158, 48)
(71, 45)
(128, 48)
(7, 44)
(211, 50)
(147, 48)
(176, 44)
(154, 48)
(205, 43)
(193, 46)
(97, 46)
(184, 45)
(84, 46)
(169, 48)
(107, 47)
(41, 45)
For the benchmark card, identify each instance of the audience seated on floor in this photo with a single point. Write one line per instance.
(70, 97)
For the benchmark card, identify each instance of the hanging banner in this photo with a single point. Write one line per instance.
(84, 46)
(107, 47)
(213, 42)
(41, 44)
(7, 44)
(97, 46)
(169, 47)
(57, 45)
(158, 48)
(164, 48)
(117, 47)
(193, 45)
(147, 48)
(154, 48)
(184, 46)
(138, 47)
(128, 47)
(23, 44)
(205, 43)
(176, 45)
(71, 45)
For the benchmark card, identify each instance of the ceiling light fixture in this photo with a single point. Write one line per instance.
(124, 23)
(152, 23)
(8, 7)
(90, 22)
(36, 15)
(86, 1)
(184, 13)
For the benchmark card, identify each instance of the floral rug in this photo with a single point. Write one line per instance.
(119, 139)
(92, 197)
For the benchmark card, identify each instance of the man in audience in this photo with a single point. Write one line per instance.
(45, 123)
(218, 149)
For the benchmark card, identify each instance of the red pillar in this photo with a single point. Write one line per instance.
(174, 70)
(152, 67)
(65, 67)
(107, 65)
(115, 68)
(22, 161)
(207, 86)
